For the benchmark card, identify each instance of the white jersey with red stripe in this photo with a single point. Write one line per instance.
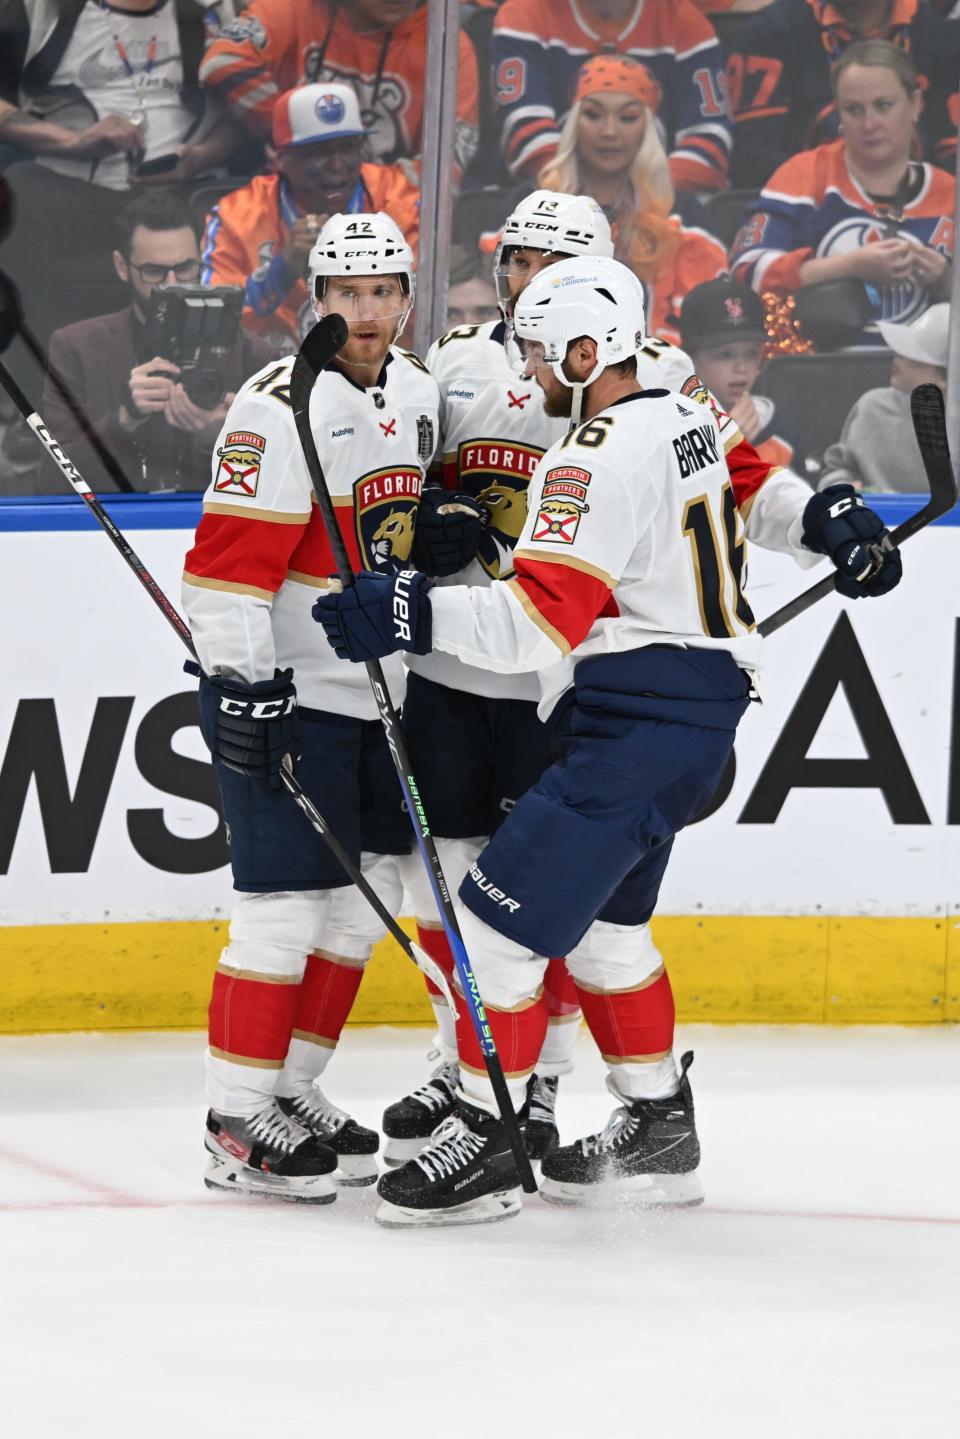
(633, 538)
(493, 431)
(261, 551)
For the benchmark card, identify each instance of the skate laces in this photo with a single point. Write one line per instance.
(620, 1127)
(438, 1089)
(278, 1130)
(315, 1103)
(543, 1102)
(452, 1147)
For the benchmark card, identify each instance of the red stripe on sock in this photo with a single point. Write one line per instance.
(436, 944)
(326, 997)
(637, 1023)
(560, 990)
(518, 1037)
(250, 1018)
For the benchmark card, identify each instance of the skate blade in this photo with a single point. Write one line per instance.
(226, 1180)
(642, 1191)
(353, 1171)
(488, 1209)
(400, 1151)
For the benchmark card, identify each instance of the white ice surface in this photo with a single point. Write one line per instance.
(817, 1293)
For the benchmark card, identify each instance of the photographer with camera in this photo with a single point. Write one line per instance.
(153, 381)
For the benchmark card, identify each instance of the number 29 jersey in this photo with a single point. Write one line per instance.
(632, 538)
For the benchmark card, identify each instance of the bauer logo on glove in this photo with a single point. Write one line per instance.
(377, 616)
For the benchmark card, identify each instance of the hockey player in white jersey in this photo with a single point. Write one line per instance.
(627, 600)
(299, 934)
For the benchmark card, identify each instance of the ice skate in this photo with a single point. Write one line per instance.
(353, 1145)
(540, 1133)
(270, 1154)
(466, 1175)
(410, 1122)
(647, 1155)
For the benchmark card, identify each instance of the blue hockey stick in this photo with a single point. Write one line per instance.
(326, 337)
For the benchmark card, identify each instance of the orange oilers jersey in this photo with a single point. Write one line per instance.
(246, 233)
(812, 207)
(276, 45)
(538, 47)
(261, 552)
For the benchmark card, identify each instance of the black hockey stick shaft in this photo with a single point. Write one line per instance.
(929, 424)
(312, 356)
(177, 623)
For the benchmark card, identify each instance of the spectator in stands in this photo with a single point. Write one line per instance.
(103, 98)
(133, 399)
(722, 330)
(858, 208)
(261, 235)
(539, 46)
(877, 449)
(471, 296)
(610, 149)
(778, 77)
(377, 46)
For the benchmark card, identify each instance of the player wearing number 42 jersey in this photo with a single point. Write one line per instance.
(298, 937)
(626, 600)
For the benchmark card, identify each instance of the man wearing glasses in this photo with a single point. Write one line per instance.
(133, 400)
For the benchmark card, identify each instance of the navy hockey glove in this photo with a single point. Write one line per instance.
(378, 615)
(837, 523)
(450, 526)
(249, 728)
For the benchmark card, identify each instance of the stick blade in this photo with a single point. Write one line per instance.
(321, 343)
(928, 412)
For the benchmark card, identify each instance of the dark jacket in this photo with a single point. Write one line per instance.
(94, 358)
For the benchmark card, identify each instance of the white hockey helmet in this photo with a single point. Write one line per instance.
(591, 295)
(361, 245)
(559, 224)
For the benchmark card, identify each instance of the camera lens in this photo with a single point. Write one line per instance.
(204, 386)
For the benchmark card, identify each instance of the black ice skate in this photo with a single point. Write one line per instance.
(353, 1145)
(647, 1154)
(268, 1154)
(409, 1123)
(466, 1175)
(540, 1132)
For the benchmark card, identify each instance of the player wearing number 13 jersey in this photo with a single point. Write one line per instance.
(299, 934)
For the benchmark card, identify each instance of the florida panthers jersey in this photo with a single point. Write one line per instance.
(261, 551)
(812, 207)
(632, 538)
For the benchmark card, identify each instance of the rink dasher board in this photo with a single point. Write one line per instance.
(822, 886)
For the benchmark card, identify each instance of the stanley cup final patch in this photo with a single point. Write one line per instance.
(239, 469)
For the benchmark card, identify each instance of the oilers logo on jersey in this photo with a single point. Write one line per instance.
(385, 506)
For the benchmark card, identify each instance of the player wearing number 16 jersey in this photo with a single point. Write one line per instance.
(626, 598)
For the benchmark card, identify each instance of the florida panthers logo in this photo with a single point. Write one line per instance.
(385, 512)
(498, 472)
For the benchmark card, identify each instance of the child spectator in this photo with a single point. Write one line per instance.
(539, 46)
(722, 330)
(377, 46)
(778, 77)
(610, 149)
(471, 294)
(877, 449)
(858, 208)
(261, 235)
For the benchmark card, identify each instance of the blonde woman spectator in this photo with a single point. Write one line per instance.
(610, 149)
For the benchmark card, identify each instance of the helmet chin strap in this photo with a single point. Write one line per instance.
(576, 406)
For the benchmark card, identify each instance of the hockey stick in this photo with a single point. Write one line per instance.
(930, 427)
(413, 951)
(325, 339)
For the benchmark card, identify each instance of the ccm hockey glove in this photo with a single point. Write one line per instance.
(837, 523)
(450, 526)
(378, 615)
(249, 728)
